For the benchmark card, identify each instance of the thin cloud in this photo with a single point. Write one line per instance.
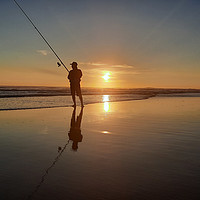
(93, 64)
(43, 52)
(108, 65)
(115, 68)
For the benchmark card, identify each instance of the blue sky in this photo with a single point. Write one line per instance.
(141, 43)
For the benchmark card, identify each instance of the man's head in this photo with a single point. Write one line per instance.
(74, 65)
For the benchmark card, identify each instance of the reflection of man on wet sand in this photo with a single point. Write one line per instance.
(75, 129)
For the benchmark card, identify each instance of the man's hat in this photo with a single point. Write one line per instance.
(74, 63)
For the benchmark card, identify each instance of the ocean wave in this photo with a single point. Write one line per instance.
(24, 103)
(22, 98)
(16, 91)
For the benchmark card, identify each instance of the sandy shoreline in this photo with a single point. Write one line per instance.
(141, 149)
(29, 103)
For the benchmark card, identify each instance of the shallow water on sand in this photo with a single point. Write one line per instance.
(23, 103)
(145, 149)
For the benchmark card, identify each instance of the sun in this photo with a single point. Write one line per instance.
(106, 77)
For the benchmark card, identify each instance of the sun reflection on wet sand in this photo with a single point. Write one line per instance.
(106, 103)
(106, 106)
(106, 98)
(105, 132)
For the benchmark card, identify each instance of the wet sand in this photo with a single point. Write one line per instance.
(145, 149)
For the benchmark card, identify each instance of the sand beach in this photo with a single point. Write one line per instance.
(142, 149)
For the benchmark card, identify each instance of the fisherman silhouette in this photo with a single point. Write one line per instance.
(75, 129)
(75, 77)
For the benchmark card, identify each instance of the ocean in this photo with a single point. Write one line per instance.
(26, 97)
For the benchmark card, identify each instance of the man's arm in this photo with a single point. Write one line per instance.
(69, 75)
(81, 74)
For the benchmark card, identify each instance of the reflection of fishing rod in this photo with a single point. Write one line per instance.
(47, 171)
(42, 36)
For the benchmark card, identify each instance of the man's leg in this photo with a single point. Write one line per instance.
(73, 95)
(78, 91)
(74, 100)
(81, 99)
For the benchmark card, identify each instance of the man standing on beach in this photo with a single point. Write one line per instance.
(75, 78)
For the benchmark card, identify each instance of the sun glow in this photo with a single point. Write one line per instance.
(106, 77)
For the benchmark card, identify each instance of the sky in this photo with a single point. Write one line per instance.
(136, 43)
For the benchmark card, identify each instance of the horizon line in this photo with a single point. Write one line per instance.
(147, 87)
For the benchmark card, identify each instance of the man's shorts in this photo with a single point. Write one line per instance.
(75, 89)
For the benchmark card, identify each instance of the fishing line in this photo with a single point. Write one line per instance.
(47, 172)
(41, 36)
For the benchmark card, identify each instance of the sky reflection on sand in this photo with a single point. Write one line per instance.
(152, 143)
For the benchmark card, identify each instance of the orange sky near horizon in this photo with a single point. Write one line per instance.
(58, 77)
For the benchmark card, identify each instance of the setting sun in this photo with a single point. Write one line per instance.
(106, 77)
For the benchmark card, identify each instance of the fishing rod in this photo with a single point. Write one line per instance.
(58, 63)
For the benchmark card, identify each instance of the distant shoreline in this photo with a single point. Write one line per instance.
(133, 88)
(41, 91)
